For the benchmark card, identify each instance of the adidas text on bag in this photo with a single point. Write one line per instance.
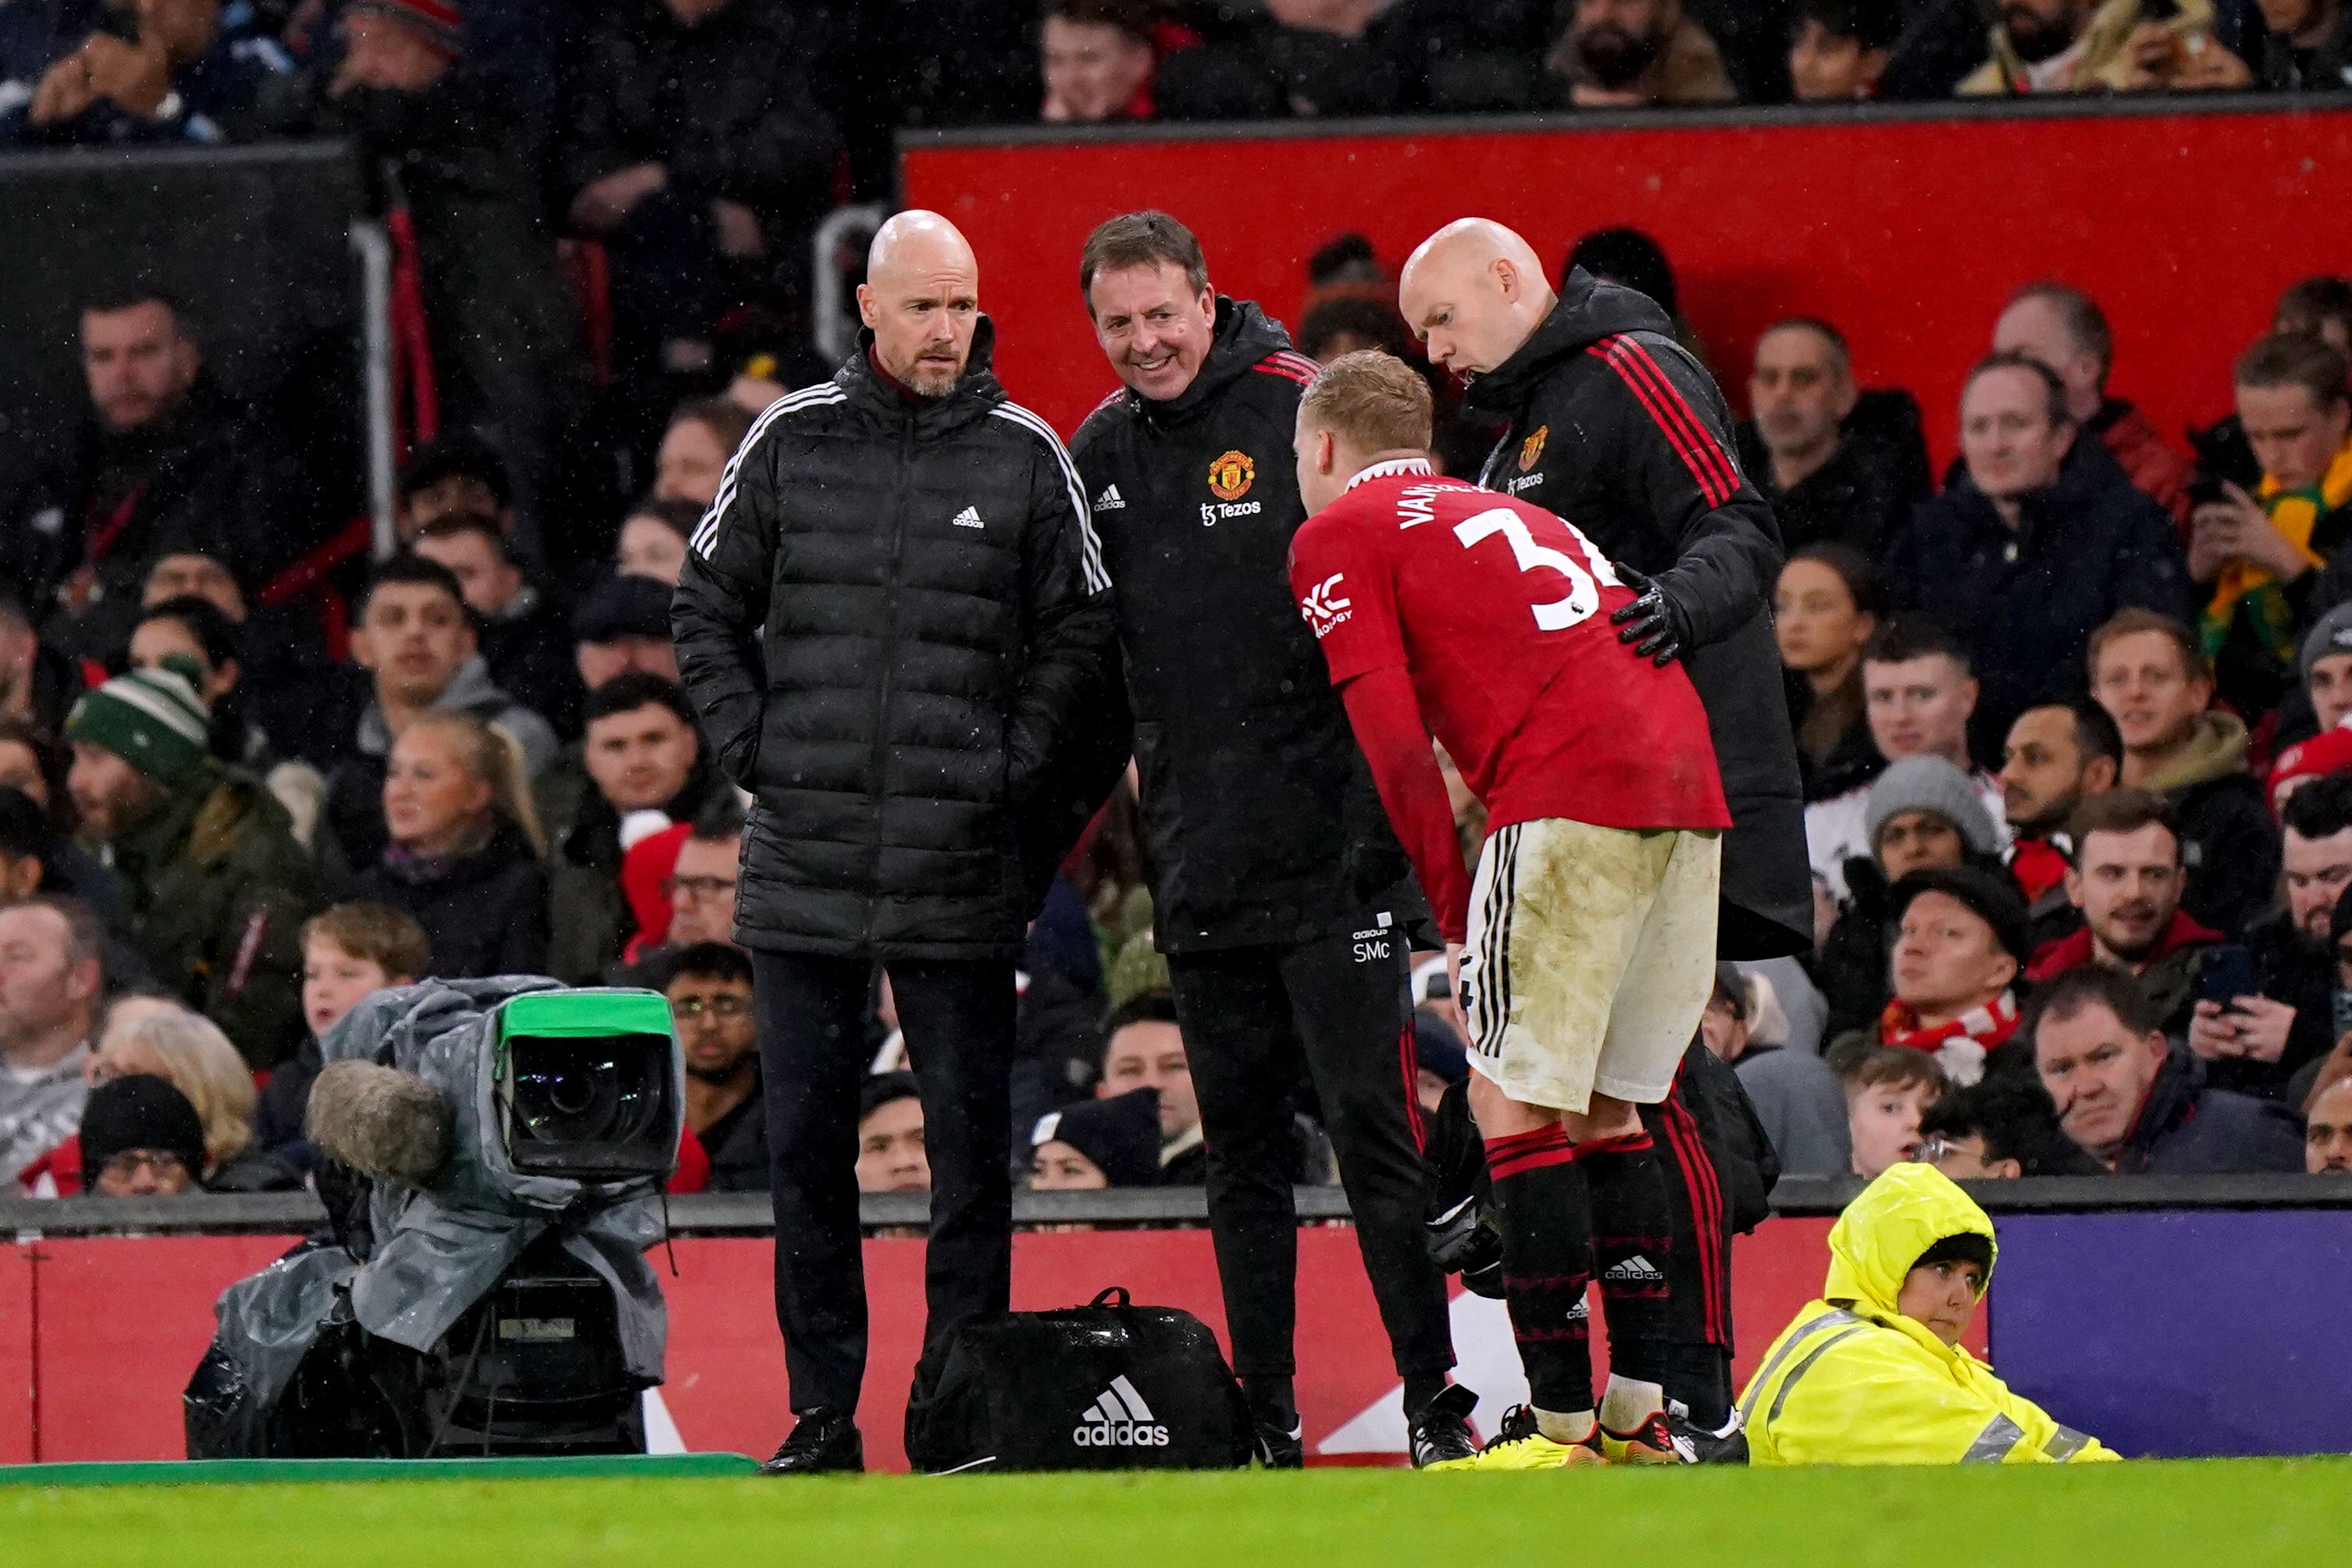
(1119, 1419)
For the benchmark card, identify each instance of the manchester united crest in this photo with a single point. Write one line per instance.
(1532, 447)
(1230, 475)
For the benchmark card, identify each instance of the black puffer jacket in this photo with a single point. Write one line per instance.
(890, 621)
(1615, 427)
(1262, 819)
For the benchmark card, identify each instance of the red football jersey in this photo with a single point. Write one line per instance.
(1500, 613)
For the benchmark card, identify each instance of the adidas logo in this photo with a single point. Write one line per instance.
(969, 518)
(1118, 1419)
(1635, 1271)
(1109, 500)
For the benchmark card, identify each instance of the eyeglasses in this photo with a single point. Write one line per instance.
(165, 1164)
(696, 887)
(712, 1006)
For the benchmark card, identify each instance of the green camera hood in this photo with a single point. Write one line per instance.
(582, 1015)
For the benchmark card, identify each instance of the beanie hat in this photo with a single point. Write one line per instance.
(138, 1111)
(2332, 634)
(1966, 1247)
(1931, 784)
(151, 719)
(1991, 897)
(439, 21)
(1138, 970)
(2330, 751)
(878, 1089)
(623, 608)
(1120, 1135)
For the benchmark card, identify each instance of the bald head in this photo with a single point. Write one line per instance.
(1473, 292)
(922, 299)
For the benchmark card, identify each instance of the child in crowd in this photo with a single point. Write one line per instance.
(348, 954)
(1885, 1095)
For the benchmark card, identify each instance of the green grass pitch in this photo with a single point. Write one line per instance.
(2233, 1511)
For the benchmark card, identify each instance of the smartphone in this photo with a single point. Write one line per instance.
(2206, 490)
(121, 22)
(2341, 1008)
(2226, 975)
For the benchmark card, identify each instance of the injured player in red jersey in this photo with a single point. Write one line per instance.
(1585, 943)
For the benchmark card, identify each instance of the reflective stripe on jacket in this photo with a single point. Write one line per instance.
(1853, 1382)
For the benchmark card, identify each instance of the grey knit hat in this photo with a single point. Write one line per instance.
(1931, 784)
(2332, 634)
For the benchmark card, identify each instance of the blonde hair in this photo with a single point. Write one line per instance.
(493, 757)
(201, 1064)
(1374, 400)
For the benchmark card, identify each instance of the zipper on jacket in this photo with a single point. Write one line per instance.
(875, 793)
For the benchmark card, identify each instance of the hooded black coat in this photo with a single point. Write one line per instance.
(1261, 818)
(1616, 428)
(891, 621)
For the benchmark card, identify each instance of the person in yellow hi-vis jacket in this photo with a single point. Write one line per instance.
(1873, 1374)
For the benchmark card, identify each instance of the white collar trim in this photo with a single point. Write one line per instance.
(1395, 467)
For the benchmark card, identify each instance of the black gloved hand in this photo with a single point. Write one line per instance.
(1652, 622)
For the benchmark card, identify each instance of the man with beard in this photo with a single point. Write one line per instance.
(2054, 757)
(709, 993)
(2256, 1044)
(892, 620)
(1281, 896)
(1639, 54)
(2127, 879)
(2100, 45)
(164, 466)
(1615, 425)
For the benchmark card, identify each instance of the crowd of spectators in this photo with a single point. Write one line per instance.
(2071, 714)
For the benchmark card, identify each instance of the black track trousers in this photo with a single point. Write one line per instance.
(1698, 1267)
(1249, 1015)
(957, 1017)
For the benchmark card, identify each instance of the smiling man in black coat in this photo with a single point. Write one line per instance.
(1280, 896)
(890, 620)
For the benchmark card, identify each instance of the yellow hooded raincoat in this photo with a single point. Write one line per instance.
(1853, 1382)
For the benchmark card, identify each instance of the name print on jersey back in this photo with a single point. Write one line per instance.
(1497, 609)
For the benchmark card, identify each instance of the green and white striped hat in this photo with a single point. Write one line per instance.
(151, 719)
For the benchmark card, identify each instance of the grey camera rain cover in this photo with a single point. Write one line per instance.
(439, 1249)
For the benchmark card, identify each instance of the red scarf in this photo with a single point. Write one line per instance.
(1962, 1045)
(2037, 866)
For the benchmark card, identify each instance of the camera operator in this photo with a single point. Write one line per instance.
(889, 620)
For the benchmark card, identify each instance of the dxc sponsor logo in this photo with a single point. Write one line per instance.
(1325, 607)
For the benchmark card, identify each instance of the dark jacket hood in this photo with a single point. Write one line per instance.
(1589, 311)
(1243, 335)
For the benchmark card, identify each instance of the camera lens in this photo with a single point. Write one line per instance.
(582, 1093)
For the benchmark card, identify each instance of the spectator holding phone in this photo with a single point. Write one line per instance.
(2266, 554)
(2255, 1040)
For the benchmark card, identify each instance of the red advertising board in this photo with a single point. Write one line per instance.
(121, 1321)
(1908, 233)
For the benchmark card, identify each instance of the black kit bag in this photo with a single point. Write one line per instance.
(1106, 1386)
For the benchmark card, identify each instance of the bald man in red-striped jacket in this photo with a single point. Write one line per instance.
(1616, 428)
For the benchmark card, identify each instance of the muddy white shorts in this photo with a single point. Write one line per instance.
(1590, 957)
